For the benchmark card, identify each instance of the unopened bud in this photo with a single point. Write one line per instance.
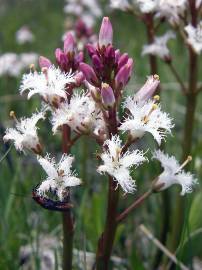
(69, 43)
(106, 33)
(44, 62)
(108, 98)
(124, 74)
(89, 73)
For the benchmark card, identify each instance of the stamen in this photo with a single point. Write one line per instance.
(13, 115)
(146, 118)
(189, 158)
(32, 67)
(61, 172)
(45, 72)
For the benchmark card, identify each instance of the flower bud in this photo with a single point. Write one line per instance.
(124, 74)
(106, 32)
(108, 98)
(122, 60)
(79, 57)
(97, 63)
(44, 62)
(117, 56)
(148, 89)
(90, 49)
(89, 73)
(61, 59)
(69, 43)
(79, 78)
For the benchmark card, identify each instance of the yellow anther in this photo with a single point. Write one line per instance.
(44, 70)
(189, 158)
(154, 107)
(32, 67)
(61, 172)
(156, 97)
(12, 115)
(105, 85)
(156, 77)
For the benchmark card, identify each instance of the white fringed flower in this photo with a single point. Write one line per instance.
(159, 46)
(146, 117)
(173, 173)
(194, 38)
(50, 84)
(24, 134)
(171, 10)
(80, 114)
(117, 164)
(147, 6)
(59, 176)
(120, 4)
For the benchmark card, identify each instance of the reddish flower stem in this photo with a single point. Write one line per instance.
(105, 243)
(133, 206)
(67, 217)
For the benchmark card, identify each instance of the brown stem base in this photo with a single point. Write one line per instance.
(68, 235)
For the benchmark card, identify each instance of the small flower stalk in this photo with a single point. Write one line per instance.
(86, 99)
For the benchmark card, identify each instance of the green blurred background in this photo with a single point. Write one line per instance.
(22, 221)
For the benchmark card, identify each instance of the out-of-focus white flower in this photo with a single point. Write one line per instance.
(159, 46)
(146, 6)
(80, 114)
(194, 38)
(146, 117)
(117, 164)
(59, 176)
(12, 64)
(24, 35)
(120, 4)
(24, 135)
(173, 173)
(28, 58)
(87, 10)
(171, 10)
(50, 84)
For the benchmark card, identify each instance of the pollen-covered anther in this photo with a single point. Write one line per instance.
(156, 77)
(156, 97)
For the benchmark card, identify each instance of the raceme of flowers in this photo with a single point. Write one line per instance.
(86, 98)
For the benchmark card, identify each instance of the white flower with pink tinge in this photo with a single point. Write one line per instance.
(24, 135)
(59, 176)
(50, 84)
(194, 38)
(81, 114)
(146, 117)
(159, 46)
(118, 165)
(173, 173)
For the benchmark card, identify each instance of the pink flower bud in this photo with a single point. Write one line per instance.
(106, 32)
(89, 73)
(124, 74)
(61, 59)
(79, 58)
(69, 43)
(117, 56)
(79, 78)
(108, 98)
(148, 89)
(44, 62)
(122, 60)
(97, 63)
(90, 49)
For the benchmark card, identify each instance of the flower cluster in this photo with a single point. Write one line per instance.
(85, 98)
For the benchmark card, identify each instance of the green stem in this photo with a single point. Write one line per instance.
(191, 101)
